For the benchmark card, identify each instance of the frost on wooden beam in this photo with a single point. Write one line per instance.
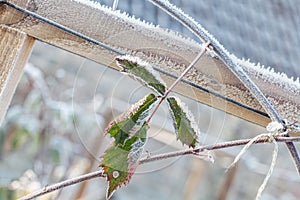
(15, 48)
(167, 50)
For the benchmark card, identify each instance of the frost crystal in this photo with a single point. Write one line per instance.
(136, 151)
(190, 116)
(258, 71)
(142, 72)
(184, 123)
(274, 127)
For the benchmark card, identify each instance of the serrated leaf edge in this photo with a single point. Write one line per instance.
(141, 63)
(189, 115)
(131, 165)
(131, 111)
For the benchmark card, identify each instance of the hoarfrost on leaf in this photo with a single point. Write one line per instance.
(120, 161)
(185, 126)
(130, 121)
(141, 71)
(130, 133)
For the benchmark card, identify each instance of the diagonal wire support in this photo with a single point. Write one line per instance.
(221, 52)
(225, 57)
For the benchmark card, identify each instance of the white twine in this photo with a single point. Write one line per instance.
(246, 147)
(272, 166)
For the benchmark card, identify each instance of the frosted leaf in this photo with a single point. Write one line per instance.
(114, 162)
(120, 160)
(136, 144)
(130, 121)
(185, 126)
(141, 71)
(136, 151)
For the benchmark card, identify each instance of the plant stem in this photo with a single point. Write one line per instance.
(221, 145)
(201, 53)
(225, 57)
(99, 173)
(60, 185)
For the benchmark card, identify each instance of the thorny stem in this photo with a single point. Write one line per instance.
(99, 173)
(224, 56)
(203, 50)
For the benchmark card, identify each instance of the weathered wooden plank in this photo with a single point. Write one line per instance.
(15, 48)
(169, 51)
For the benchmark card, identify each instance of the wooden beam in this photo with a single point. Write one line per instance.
(208, 83)
(15, 48)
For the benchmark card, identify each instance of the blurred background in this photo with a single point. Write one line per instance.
(54, 127)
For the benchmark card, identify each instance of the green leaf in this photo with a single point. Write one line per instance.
(184, 123)
(131, 120)
(130, 132)
(115, 166)
(120, 161)
(141, 71)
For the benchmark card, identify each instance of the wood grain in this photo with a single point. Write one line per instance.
(15, 48)
(210, 80)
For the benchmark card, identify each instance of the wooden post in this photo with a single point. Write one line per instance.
(210, 82)
(15, 48)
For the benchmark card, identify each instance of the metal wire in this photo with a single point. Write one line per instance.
(64, 28)
(107, 47)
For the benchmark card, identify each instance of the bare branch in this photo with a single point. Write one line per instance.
(222, 145)
(57, 186)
